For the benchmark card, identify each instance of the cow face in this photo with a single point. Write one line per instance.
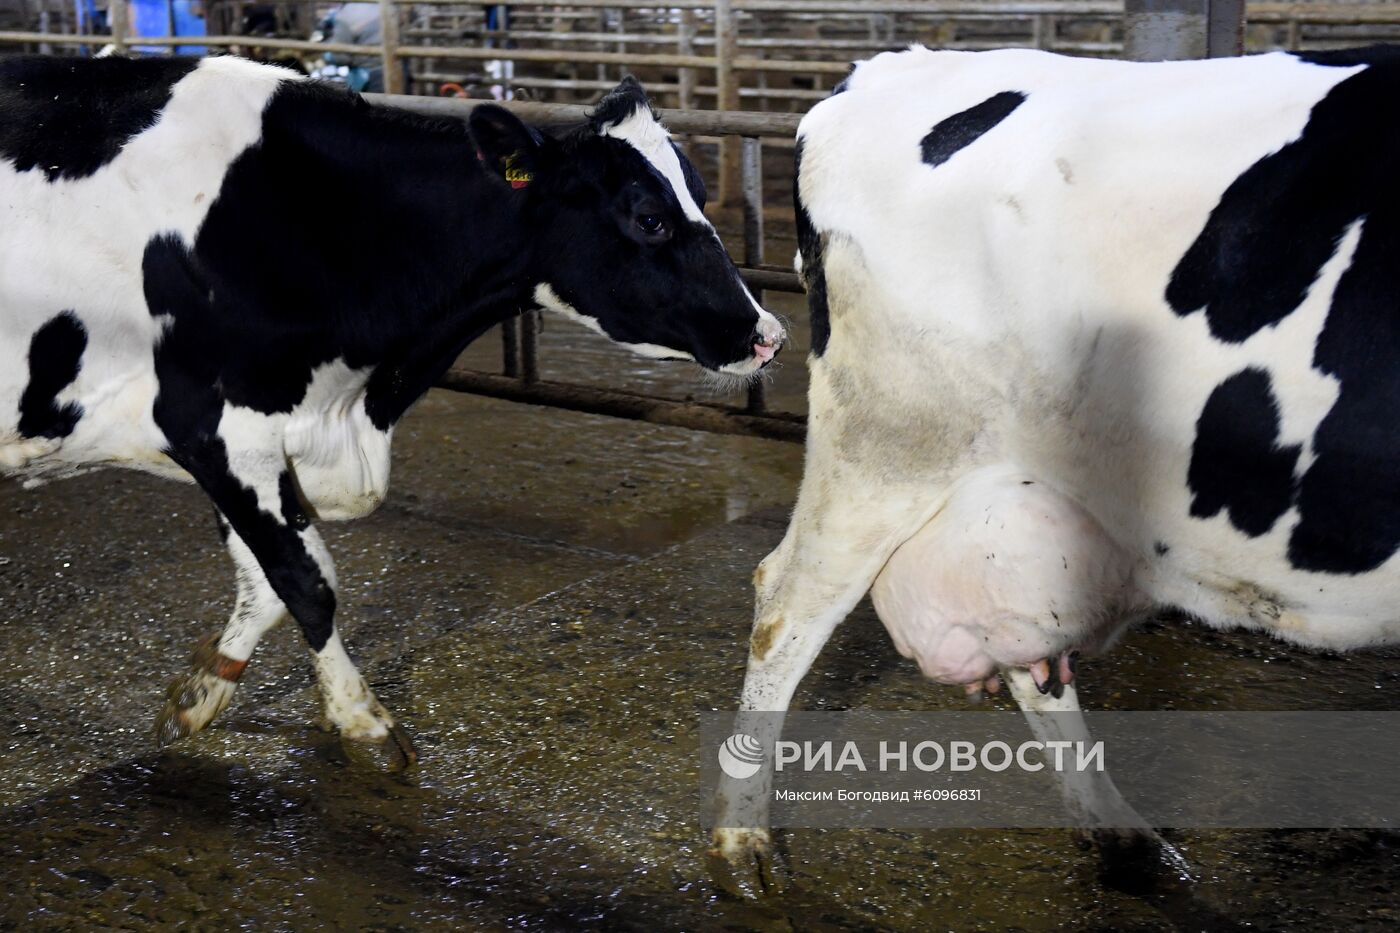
(623, 246)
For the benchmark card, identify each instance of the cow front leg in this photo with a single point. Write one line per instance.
(348, 705)
(219, 661)
(832, 552)
(244, 471)
(1051, 708)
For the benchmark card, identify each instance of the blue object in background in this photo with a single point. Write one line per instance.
(152, 18)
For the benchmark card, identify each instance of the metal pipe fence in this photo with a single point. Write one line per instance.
(791, 69)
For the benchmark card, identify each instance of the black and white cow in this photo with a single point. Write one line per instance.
(154, 316)
(1090, 338)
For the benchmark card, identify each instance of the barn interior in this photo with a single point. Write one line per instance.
(560, 578)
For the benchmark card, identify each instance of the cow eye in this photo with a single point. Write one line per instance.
(651, 224)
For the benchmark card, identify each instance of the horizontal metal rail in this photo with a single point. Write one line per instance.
(861, 7)
(583, 84)
(699, 416)
(713, 122)
(445, 51)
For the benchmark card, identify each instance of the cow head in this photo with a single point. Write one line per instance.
(622, 244)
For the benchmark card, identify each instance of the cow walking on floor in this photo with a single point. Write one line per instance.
(152, 317)
(1090, 338)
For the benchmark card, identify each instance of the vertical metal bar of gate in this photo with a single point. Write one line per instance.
(727, 92)
(751, 161)
(1225, 28)
(530, 346)
(510, 348)
(116, 24)
(389, 43)
(1168, 30)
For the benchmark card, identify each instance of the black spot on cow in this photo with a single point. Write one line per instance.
(68, 117)
(1253, 263)
(257, 307)
(55, 356)
(1350, 496)
(189, 362)
(1161, 549)
(1279, 222)
(963, 129)
(293, 511)
(1236, 462)
(1350, 58)
(810, 245)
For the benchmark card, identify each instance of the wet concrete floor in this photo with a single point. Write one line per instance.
(547, 599)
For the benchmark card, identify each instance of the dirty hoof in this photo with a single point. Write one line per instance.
(741, 862)
(1134, 860)
(193, 701)
(393, 751)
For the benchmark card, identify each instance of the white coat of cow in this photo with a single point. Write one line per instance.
(1090, 338)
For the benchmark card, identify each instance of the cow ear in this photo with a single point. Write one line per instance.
(508, 148)
(619, 104)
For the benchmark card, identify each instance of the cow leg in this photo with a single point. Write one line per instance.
(831, 554)
(244, 471)
(1093, 800)
(219, 661)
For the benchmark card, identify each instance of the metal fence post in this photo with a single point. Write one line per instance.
(1225, 28)
(1166, 30)
(530, 346)
(116, 22)
(727, 92)
(389, 56)
(753, 237)
(510, 348)
(685, 45)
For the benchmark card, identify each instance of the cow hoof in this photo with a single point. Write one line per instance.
(392, 751)
(194, 700)
(741, 862)
(191, 703)
(1134, 859)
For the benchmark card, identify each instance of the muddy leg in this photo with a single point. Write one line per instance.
(244, 471)
(218, 662)
(826, 563)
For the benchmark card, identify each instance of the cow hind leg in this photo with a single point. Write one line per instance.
(219, 661)
(1092, 799)
(834, 547)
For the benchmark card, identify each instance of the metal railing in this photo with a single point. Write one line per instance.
(742, 67)
(519, 379)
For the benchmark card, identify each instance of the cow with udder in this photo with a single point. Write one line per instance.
(1090, 339)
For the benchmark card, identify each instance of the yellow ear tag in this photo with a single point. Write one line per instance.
(518, 177)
